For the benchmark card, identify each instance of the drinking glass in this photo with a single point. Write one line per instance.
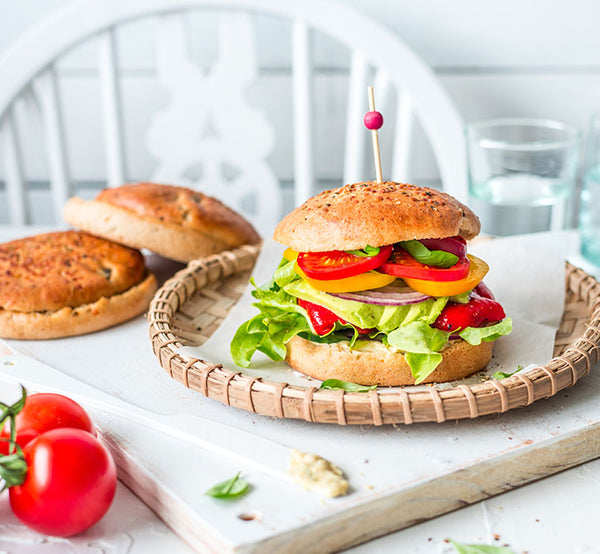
(589, 214)
(522, 174)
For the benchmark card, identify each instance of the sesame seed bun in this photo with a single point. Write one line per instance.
(374, 214)
(375, 364)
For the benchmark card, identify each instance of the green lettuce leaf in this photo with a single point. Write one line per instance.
(326, 339)
(418, 337)
(475, 335)
(422, 365)
(504, 374)
(462, 298)
(279, 319)
(267, 332)
(338, 384)
(284, 274)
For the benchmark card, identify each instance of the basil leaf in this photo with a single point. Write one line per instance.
(503, 375)
(435, 258)
(232, 488)
(337, 384)
(480, 548)
(369, 251)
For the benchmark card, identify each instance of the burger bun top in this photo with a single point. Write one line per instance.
(375, 214)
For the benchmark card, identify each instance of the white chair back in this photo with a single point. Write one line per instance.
(208, 135)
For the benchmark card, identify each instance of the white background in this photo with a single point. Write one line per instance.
(510, 58)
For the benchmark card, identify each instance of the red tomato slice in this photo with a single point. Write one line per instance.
(402, 264)
(337, 264)
(477, 271)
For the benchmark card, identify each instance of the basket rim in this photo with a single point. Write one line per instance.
(379, 406)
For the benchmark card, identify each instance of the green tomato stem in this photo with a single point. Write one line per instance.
(13, 469)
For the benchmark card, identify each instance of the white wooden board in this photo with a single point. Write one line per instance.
(399, 476)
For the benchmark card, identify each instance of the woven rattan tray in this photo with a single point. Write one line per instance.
(188, 309)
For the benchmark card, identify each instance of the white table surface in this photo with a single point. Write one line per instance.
(556, 514)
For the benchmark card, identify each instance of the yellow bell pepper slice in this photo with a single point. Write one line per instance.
(290, 254)
(477, 271)
(364, 281)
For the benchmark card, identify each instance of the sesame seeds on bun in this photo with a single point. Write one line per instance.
(376, 214)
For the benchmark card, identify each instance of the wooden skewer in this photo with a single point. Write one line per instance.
(375, 139)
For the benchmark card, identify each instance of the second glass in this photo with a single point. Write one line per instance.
(522, 174)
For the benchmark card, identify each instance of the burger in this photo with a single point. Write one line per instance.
(376, 288)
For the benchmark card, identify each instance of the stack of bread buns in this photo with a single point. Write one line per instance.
(75, 282)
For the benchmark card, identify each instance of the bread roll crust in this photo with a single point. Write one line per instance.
(175, 222)
(374, 214)
(50, 271)
(65, 322)
(379, 365)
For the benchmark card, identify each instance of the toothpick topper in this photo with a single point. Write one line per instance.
(373, 120)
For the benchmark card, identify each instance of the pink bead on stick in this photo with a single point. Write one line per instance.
(373, 120)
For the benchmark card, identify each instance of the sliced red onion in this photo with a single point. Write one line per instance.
(484, 291)
(391, 295)
(454, 245)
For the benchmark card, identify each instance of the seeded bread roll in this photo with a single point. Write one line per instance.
(373, 363)
(175, 222)
(50, 271)
(375, 214)
(69, 283)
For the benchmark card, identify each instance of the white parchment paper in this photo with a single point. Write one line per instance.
(527, 274)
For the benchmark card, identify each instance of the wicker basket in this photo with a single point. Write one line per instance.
(190, 307)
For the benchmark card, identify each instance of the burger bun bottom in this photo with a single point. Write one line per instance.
(375, 364)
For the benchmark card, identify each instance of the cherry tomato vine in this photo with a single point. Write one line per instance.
(60, 478)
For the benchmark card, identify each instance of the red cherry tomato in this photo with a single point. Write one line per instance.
(70, 483)
(43, 412)
(478, 312)
(402, 264)
(337, 264)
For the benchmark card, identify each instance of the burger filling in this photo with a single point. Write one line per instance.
(413, 296)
